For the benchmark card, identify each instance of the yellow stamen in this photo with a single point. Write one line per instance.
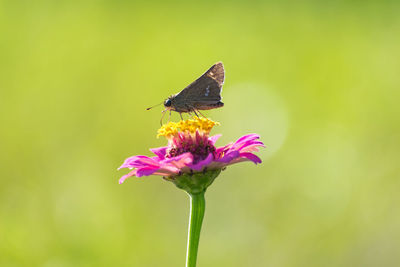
(203, 125)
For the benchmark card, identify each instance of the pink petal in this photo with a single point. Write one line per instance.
(213, 139)
(126, 176)
(179, 161)
(166, 171)
(249, 144)
(229, 157)
(223, 148)
(160, 151)
(139, 161)
(251, 157)
(127, 162)
(244, 142)
(252, 148)
(198, 138)
(215, 165)
(145, 171)
(199, 165)
(234, 161)
(247, 137)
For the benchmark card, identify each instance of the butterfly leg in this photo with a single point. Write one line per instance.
(162, 117)
(169, 118)
(180, 114)
(201, 113)
(196, 113)
(190, 109)
(194, 110)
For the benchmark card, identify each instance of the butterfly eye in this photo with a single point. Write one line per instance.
(167, 103)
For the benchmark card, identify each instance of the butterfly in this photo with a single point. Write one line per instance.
(202, 94)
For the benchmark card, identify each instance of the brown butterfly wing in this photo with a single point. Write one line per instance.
(206, 90)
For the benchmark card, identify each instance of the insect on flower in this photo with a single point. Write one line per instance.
(202, 94)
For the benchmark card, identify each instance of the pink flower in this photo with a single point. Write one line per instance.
(190, 149)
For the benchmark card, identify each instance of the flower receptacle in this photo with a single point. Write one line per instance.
(194, 183)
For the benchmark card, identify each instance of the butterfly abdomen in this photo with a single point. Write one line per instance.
(219, 104)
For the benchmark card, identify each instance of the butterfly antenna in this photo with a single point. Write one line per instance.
(154, 106)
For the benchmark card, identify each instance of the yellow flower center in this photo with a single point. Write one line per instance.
(203, 125)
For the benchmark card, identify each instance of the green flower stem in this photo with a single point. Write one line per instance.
(195, 184)
(197, 208)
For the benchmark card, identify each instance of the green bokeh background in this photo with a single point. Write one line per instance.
(318, 80)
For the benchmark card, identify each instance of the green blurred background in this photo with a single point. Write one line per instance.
(318, 80)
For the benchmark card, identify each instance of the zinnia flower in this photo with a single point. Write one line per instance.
(192, 162)
(192, 151)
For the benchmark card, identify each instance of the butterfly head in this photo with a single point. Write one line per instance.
(167, 103)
